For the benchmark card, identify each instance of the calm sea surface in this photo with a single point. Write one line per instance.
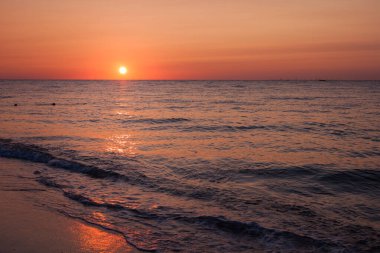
(205, 166)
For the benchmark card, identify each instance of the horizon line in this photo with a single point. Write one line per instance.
(74, 79)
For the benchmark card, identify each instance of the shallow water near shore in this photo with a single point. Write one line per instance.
(206, 166)
(28, 224)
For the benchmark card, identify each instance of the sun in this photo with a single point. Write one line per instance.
(123, 70)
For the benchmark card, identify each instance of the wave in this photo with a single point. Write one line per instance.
(89, 202)
(58, 138)
(323, 129)
(156, 121)
(298, 98)
(271, 237)
(324, 125)
(363, 181)
(364, 154)
(287, 171)
(50, 183)
(353, 181)
(38, 154)
(61, 104)
(4, 97)
(358, 180)
(112, 206)
(33, 153)
(220, 128)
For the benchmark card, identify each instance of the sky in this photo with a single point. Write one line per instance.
(198, 39)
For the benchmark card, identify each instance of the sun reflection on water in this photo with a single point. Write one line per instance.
(121, 144)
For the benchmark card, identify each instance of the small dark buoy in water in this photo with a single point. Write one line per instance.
(15, 104)
(53, 104)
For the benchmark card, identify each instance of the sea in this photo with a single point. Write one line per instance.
(203, 166)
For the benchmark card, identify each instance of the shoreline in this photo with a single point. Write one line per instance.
(26, 227)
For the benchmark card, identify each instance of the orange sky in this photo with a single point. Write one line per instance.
(198, 39)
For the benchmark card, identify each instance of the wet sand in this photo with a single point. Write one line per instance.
(25, 227)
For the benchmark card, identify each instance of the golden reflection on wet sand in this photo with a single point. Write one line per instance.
(92, 239)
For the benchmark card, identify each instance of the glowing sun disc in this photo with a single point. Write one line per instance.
(123, 70)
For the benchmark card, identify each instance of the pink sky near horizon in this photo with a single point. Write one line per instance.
(175, 39)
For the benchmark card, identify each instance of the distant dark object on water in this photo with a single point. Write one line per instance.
(322, 80)
(53, 104)
(15, 105)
